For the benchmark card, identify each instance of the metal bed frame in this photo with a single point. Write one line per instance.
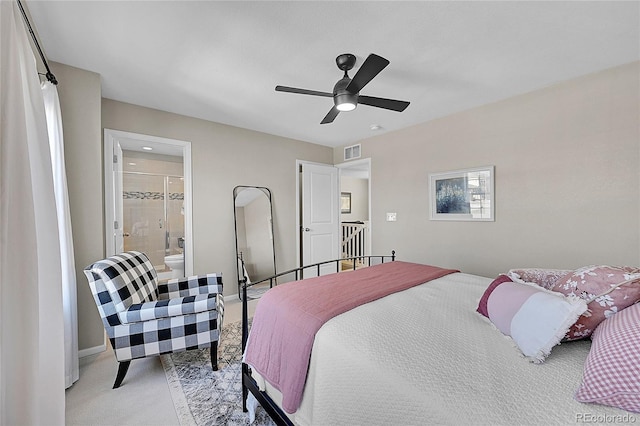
(248, 382)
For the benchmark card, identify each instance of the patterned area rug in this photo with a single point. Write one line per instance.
(202, 396)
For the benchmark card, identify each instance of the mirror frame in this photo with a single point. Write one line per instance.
(267, 192)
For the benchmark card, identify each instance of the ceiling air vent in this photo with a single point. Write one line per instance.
(352, 152)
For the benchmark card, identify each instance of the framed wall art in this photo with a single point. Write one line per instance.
(345, 202)
(462, 195)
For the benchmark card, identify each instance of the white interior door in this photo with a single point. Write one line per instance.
(320, 227)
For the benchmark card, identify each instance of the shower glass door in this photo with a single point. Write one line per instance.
(153, 215)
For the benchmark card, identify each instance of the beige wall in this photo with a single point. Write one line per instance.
(222, 158)
(567, 161)
(80, 103)
(567, 181)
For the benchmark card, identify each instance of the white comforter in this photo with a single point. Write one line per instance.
(424, 356)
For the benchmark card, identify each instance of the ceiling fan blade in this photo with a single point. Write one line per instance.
(303, 91)
(331, 115)
(391, 104)
(369, 69)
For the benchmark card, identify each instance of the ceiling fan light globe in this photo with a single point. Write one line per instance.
(346, 101)
(346, 106)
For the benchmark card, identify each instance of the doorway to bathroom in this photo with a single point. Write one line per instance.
(153, 211)
(148, 200)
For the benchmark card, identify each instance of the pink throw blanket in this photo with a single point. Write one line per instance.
(289, 315)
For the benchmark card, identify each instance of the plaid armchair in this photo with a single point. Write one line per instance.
(144, 318)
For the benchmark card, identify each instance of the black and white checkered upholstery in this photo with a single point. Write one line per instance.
(143, 318)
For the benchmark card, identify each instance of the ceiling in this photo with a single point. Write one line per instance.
(220, 61)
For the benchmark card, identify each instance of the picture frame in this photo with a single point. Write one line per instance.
(463, 195)
(345, 202)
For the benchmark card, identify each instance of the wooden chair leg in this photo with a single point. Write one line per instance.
(214, 355)
(123, 367)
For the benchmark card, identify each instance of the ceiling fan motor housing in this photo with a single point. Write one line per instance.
(341, 96)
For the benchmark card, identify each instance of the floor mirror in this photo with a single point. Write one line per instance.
(255, 245)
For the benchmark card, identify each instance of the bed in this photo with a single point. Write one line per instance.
(424, 355)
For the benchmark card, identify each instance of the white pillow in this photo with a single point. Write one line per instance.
(535, 318)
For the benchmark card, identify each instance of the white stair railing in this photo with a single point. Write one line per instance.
(354, 239)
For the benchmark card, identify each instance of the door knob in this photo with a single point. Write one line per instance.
(126, 234)
(306, 229)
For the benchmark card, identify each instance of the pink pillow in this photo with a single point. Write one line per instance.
(535, 318)
(592, 283)
(612, 369)
(545, 278)
(482, 305)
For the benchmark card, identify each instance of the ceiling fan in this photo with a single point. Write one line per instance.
(346, 93)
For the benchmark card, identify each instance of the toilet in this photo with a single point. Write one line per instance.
(176, 263)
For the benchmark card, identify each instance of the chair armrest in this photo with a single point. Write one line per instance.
(191, 286)
(169, 308)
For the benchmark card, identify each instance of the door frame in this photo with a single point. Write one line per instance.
(299, 163)
(132, 141)
(362, 162)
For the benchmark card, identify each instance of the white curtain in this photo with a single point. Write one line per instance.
(31, 318)
(56, 145)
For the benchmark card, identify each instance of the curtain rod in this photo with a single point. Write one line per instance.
(49, 74)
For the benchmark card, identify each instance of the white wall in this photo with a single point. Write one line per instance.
(567, 162)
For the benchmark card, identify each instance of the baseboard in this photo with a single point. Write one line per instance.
(231, 298)
(95, 349)
(91, 351)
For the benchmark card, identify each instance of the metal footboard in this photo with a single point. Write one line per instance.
(248, 382)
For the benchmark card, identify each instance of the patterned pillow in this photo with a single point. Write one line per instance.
(535, 318)
(612, 369)
(543, 277)
(598, 286)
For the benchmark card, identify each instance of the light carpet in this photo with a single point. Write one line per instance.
(202, 396)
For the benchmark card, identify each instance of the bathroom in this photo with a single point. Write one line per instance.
(153, 209)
